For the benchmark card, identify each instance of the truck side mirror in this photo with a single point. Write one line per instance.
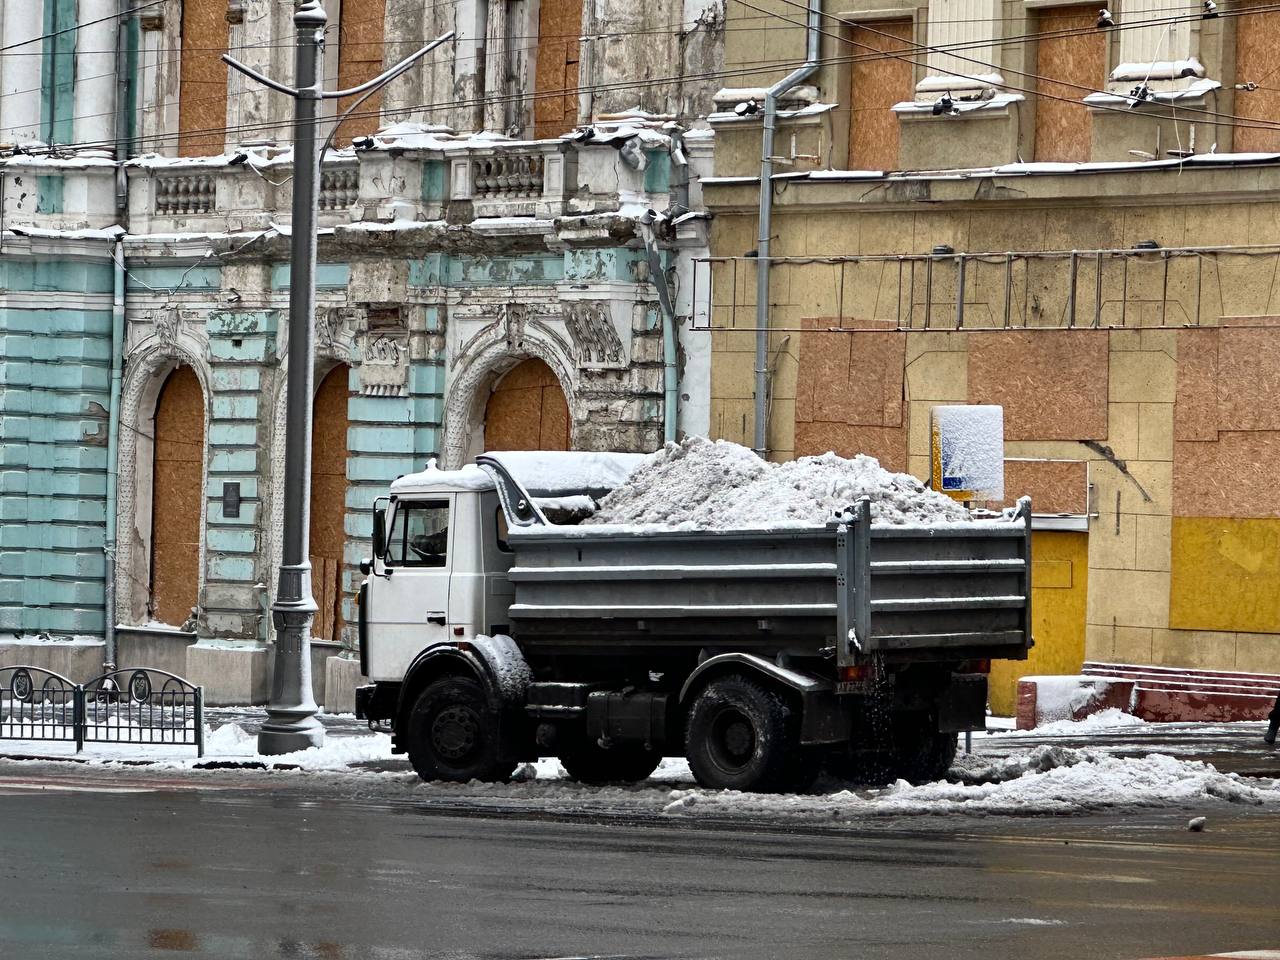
(379, 533)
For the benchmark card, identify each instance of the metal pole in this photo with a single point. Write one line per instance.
(291, 716)
(760, 440)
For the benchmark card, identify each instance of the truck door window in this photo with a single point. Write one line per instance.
(419, 534)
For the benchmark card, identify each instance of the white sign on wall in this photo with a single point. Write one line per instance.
(968, 451)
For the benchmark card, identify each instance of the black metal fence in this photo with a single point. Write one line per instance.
(135, 705)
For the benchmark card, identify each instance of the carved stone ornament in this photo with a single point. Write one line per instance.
(384, 367)
(595, 341)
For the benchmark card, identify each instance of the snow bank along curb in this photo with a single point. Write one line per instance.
(1047, 780)
(701, 484)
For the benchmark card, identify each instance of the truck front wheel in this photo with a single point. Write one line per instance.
(628, 762)
(743, 736)
(453, 734)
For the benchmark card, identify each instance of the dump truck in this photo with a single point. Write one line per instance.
(495, 630)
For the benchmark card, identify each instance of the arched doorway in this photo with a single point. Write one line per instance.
(527, 410)
(176, 496)
(329, 500)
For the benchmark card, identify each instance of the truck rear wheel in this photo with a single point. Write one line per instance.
(453, 734)
(590, 763)
(743, 736)
(910, 749)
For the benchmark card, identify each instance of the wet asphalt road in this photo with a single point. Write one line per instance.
(144, 867)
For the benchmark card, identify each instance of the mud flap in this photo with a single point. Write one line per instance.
(963, 704)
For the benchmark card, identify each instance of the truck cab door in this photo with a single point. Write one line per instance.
(409, 593)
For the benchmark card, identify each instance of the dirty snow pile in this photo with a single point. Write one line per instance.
(701, 484)
(1046, 780)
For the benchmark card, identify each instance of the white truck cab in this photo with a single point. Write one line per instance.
(443, 573)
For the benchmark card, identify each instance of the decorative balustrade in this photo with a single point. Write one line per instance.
(188, 194)
(339, 188)
(508, 176)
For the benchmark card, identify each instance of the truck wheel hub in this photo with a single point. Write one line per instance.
(734, 739)
(454, 732)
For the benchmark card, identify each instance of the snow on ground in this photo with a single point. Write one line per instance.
(1111, 718)
(1038, 779)
(700, 484)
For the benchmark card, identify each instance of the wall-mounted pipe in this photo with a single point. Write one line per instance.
(670, 384)
(113, 454)
(813, 37)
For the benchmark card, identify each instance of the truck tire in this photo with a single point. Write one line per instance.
(453, 734)
(743, 736)
(626, 763)
(910, 749)
(920, 753)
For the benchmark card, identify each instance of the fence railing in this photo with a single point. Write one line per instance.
(140, 705)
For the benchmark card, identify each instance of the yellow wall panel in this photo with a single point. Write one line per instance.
(1226, 574)
(1059, 577)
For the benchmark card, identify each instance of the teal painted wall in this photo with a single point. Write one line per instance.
(55, 362)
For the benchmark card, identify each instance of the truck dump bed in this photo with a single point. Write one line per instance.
(930, 591)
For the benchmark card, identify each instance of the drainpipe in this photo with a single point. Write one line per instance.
(812, 39)
(670, 386)
(113, 447)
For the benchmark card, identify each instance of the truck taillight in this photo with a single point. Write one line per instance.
(849, 674)
(976, 666)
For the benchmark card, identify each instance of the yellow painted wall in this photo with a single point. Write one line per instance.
(1226, 574)
(1059, 592)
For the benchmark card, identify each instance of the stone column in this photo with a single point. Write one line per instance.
(20, 72)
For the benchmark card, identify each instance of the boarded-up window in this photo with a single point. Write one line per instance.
(877, 84)
(176, 488)
(527, 411)
(555, 105)
(1064, 131)
(202, 94)
(329, 500)
(360, 58)
(1257, 60)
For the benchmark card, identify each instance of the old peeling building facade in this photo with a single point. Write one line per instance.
(1098, 259)
(486, 280)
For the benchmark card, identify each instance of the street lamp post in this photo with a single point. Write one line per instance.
(291, 715)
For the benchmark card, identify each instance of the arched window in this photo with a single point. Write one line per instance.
(329, 500)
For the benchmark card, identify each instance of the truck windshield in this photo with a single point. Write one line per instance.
(419, 534)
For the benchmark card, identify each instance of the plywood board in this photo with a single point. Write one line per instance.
(1257, 60)
(202, 90)
(328, 499)
(527, 411)
(176, 491)
(1195, 408)
(886, 444)
(360, 58)
(1052, 383)
(555, 107)
(1064, 130)
(1054, 486)
(1248, 378)
(850, 378)
(1234, 476)
(875, 86)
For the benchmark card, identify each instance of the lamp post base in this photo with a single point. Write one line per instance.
(283, 733)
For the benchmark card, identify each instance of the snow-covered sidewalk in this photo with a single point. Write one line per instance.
(1103, 767)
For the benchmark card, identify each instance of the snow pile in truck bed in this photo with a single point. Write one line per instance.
(700, 484)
